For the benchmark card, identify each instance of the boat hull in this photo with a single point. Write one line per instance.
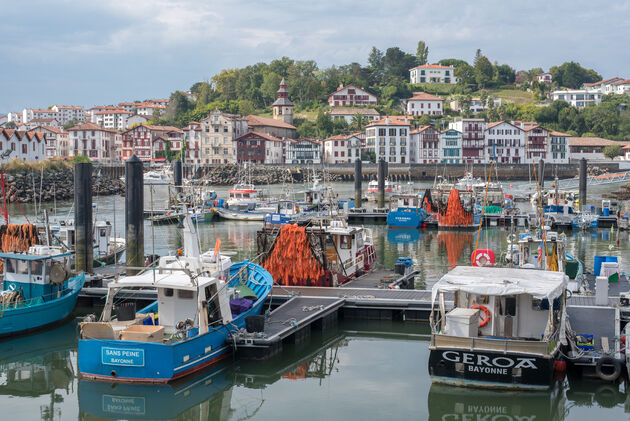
(492, 370)
(34, 317)
(241, 216)
(408, 218)
(145, 362)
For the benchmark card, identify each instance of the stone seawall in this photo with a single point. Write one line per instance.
(55, 184)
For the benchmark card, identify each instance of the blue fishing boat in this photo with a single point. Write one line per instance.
(408, 214)
(37, 289)
(184, 331)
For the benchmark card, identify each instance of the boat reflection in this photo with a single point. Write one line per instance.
(448, 403)
(39, 365)
(403, 235)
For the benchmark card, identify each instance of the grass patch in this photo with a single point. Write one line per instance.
(16, 165)
(515, 96)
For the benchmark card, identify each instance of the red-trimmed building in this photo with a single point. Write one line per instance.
(473, 139)
(144, 140)
(424, 143)
(192, 136)
(26, 146)
(422, 103)
(351, 96)
(91, 140)
(259, 148)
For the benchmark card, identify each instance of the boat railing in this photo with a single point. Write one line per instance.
(543, 347)
(21, 303)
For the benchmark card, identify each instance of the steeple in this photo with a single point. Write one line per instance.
(283, 107)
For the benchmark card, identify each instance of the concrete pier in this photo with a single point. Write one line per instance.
(84, 248)
(134, 223)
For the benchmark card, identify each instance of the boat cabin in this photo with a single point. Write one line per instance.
(186, 306)
(505, 326)
(407, 200)
(346, 246)
(242, 192)
(530, 252)
(39, 273)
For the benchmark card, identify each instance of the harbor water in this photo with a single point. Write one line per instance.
(361, 370)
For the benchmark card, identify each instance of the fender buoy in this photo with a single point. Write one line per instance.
(604, 367)
(483, 321)
(482, 257)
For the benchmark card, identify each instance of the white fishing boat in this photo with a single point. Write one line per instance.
(157, 178)
(390, 190)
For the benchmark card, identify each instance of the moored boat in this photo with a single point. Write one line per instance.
(37, 289)
(409, 212)
(505, 330)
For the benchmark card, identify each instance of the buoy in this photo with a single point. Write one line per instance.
(484, 320)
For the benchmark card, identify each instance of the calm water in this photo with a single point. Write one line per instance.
(362, 370)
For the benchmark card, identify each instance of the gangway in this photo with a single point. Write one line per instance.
(595, 180)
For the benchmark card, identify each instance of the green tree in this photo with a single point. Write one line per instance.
(572, 75)
(358, 122)
(612, 151)
(324, 124)
(281, 66)
(269, 87)
(157, 113)
(452, 62)
(245, 107)
(204, 96)
(397, 64)
(478, 55)
(70, 124)
(340, 125)
(80, 158)
(465, 73)
(376, 64)
(10, 125)
(503, 74)
(483, 71)
(422, 53)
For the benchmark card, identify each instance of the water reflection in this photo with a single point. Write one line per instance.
(38, 366)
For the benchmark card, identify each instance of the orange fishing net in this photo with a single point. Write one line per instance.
(17, 238)
(291, 261)
(427, 202)
(454, 215)
(300, 372)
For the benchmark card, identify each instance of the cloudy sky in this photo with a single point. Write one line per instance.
(79, 52)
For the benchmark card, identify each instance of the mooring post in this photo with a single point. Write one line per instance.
(134, 208)
(358, 193)
(582, 183)
(381, 174)
(177, 174)
(541, 173)
(84, 248)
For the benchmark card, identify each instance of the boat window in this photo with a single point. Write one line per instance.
(36, 267)
(185, 294)
(359, 241)
(103, 233)
(17, 266)
(345, 242)
(168, 292)
(245, 194)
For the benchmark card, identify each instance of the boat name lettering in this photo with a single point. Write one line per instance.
(487, 417)
(120, 356)
(123, 405)
(482, 361)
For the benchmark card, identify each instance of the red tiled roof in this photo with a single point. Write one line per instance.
(601, 82)
(432, 66)
(592, 141)
(423, 96)
(342, 87)
(496, 123)
(421, 129)
(114, 111)
(261, 135)
(622, 82)
(554, 133)
(256, 120)
(391, 121)
(85, 126)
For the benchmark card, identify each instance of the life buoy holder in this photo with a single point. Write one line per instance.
(483, 321)
(482, 257)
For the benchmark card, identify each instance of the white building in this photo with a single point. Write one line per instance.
(605, 87)
(29, 114)
(342, 149)
(148, 109)
(432, 73)
(473, 140)
(302, 151)
(622, 87)
(505, 143)
(27, 146)
(90, 140)
(68, 113)
(56, 141)
(558, 152)
(351, 96)
(162, 102)
(51, 122)
(388, 139)
(349, 114)
(422, 103)
(192, 137)
(579, 98)
(136, 119)
(424, 144)
(450, 148)
(475, 105)
(591, 148)
(115, 119)
(545, 78)
(15, 117)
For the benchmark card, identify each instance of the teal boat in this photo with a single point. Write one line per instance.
(37, 289)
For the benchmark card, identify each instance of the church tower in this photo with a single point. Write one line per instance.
(283, 107)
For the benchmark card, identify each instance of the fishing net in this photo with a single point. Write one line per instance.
(291, 261)
(17, 238)
(454, 214)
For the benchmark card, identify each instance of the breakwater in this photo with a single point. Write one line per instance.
(55, 184)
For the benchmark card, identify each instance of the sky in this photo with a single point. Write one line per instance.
(78, 52)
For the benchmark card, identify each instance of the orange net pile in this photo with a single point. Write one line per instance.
(427, 202)
(17, 238)
(454, 215)
(300, 372)
(454, 242)
(291, 261)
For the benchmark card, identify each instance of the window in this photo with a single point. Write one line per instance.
(185, 294)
